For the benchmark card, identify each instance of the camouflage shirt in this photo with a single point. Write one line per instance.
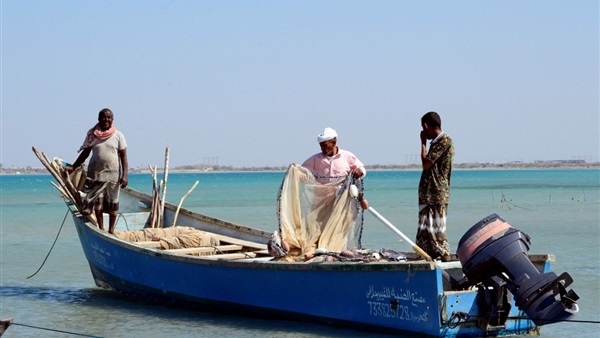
(434, 187)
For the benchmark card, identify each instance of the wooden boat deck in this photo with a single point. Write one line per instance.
(236, 249)
(229, 248)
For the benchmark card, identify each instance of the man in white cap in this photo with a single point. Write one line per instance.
(299, 236)
(333, 163)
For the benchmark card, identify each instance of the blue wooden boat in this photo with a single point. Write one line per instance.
(490, 288)
(412, 296)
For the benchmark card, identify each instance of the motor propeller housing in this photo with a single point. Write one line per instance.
(492, 248)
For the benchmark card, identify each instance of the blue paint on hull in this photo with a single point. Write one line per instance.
(396, 297)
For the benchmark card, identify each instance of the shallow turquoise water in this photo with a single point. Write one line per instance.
(559, 209)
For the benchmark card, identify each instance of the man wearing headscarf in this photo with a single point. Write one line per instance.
(107, 170)
(332, 163)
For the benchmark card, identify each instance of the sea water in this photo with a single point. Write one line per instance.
(558, 209)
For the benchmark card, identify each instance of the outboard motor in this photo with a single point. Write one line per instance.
(493, 249)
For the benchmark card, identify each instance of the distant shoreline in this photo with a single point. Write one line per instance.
(413, 167)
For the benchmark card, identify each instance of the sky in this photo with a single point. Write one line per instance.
(252, 83)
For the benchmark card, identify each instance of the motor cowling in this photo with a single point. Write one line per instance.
(492, 248)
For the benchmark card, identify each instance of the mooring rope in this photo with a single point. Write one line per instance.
(52, 247)
(54, 330)
(463, 316)
(560, 321)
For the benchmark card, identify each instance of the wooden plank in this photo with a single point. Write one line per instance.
(232, 256)
(205, 249)
(221, 238)
(232, 240)
(150, 244)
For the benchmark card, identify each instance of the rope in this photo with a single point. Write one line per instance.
(560, 321)
(54, 330)
(330, 177)
(216, 249)
(120, 215)
(409, 273)
(52, 247)
(463, 316)
(360, 184)
(459, 316)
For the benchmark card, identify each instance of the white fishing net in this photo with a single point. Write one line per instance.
(318, 216)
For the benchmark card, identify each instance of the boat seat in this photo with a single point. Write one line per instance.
(204, 249)
(150, 244)
(229, 244)
(231, 256)
(231, 240)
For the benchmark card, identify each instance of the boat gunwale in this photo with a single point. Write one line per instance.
(270, 264)
(338, 266)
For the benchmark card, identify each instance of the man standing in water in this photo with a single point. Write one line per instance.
(107, 170)
(434, 187)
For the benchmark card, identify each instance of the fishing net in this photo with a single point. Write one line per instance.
(318, 216)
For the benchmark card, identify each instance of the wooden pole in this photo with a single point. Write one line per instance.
(415, 247)
(67, 189)
(65, 177)
(56, 176)
(164, 191)
(181, 202)
(155, 201)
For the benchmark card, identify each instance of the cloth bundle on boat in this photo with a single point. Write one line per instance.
(317, 216)
(176, 237)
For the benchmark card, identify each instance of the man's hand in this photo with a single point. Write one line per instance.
(364, 203)
(423, 137)
(357, 173)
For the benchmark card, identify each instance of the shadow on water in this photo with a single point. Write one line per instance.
(101, 300)
(48, 294)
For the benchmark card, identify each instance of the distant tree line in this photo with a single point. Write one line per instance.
(221, 168)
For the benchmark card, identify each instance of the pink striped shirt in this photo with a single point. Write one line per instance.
(328, 169)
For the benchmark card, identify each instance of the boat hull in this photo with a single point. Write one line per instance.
(398, 297)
